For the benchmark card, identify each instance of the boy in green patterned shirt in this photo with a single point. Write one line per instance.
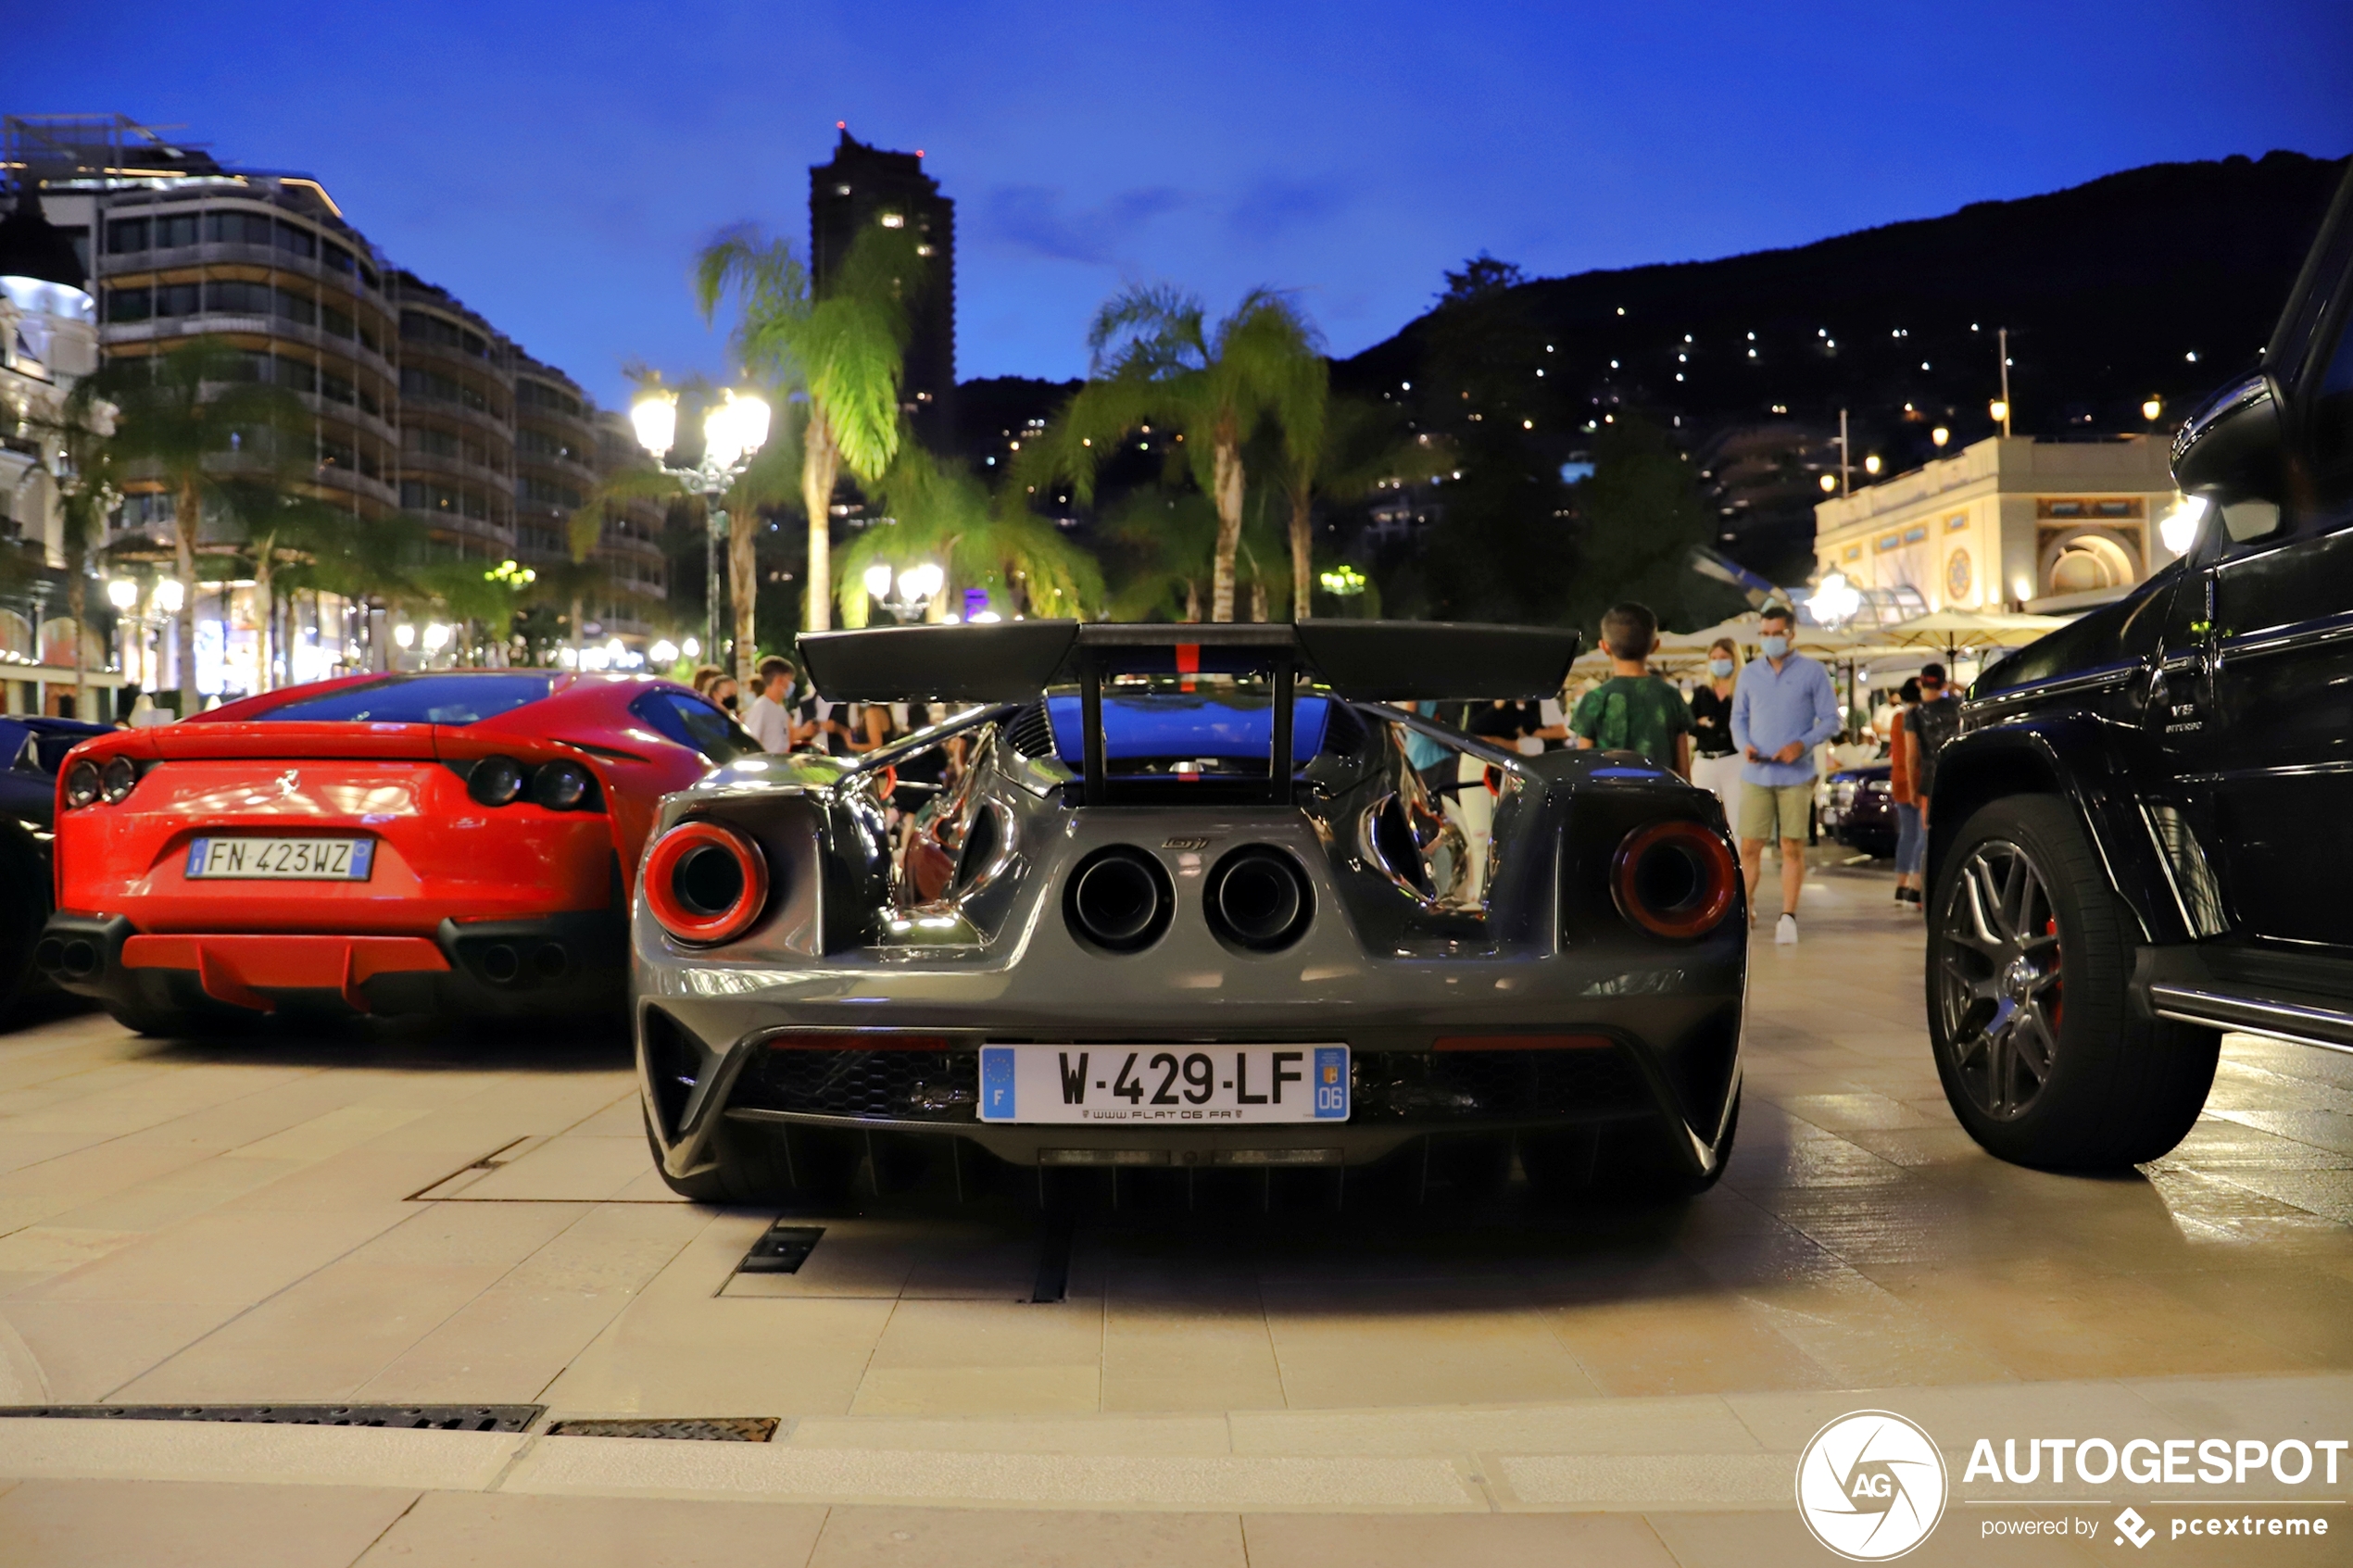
(1635, 710)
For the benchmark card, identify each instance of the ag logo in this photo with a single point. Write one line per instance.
(1871, 1485)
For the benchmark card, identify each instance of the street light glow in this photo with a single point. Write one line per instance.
(405, 634)
(2178, 530)
(122, 592)
(168, 596)
(879, 579)
(734, 430)
(1835, 601)
(1870, 464)
(691, 648)
(436, 636)
(663, 652)
(922, 582)
(1998, 409)
(1829, 481)
(655, 418)
(1940, 435)
(2152, 409)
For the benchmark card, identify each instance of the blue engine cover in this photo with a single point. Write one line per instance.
(1165, 724)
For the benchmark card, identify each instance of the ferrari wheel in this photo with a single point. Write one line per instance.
(2029, 956)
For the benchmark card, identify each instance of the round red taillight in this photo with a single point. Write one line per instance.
(706, 883)
(1673, 879)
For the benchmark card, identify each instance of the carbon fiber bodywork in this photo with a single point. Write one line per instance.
(1509, 996)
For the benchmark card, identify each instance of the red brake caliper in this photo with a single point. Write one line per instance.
(2058, 992)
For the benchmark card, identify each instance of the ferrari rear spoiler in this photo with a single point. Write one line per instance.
(1359, 660)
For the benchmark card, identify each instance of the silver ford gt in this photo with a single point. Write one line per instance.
(1178, 897)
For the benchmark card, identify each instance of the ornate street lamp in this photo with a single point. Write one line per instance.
(733, 431)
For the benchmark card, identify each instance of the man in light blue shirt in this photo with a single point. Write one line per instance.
(1783, 709)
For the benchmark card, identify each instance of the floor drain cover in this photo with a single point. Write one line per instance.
(436, 1418)
(781, 1251)
(709, 1429)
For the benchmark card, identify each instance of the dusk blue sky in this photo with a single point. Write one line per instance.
(555, 166)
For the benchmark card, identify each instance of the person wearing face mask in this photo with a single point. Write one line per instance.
(1715, 761)
(1783, 709)
(770, 716)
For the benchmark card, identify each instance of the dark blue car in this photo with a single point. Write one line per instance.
(1858, 810)
(30, 749)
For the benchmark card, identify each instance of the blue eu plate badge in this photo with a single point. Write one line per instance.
(1332, 1084)
(997, 1099)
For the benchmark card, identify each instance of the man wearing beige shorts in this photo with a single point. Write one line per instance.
(1783, 709)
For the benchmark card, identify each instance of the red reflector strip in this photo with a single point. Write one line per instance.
(1189, 659)
(1525, 1043)
(857, 1041)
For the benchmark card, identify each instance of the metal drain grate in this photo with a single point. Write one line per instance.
(434, 1418)
(703, 1429)
(781, 1249)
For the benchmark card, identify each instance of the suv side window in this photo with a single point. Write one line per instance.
(693, 722)
(2330, 421)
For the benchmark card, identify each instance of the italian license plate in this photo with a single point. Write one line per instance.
(1163, 1085)
(280, 859)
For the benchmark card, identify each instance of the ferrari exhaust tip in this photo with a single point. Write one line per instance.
(1118, 899)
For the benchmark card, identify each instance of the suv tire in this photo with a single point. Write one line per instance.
(2043, 1057)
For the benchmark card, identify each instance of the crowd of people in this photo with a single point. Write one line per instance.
(1752, 735)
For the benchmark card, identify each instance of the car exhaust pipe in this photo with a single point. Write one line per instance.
(500, 965)
(1119, 899)
(79, 961)
(551, 960)
(1259, 899)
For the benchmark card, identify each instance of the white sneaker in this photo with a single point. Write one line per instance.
(1785, 934)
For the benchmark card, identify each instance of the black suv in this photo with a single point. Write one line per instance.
(2144, 835)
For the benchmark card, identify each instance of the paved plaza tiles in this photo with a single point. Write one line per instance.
(412, 1218)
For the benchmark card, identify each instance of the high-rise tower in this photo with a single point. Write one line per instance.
(864, 185)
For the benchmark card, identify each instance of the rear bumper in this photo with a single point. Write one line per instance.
(1673, 1060)
(567, 963)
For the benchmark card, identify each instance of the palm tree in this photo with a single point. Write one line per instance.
(1156, 361)
(940, 514)
(1343, 450)
(78, 457)
(189, 418)
(841, 347)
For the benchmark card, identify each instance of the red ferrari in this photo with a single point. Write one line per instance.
(459, 842)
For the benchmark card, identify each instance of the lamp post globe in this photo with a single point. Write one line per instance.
(655, 418)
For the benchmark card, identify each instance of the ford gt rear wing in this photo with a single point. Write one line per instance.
(1358, 660)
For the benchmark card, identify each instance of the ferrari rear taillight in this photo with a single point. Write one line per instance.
(1674, 879)
(559, 786)
(495, 781)
(706, 883)
(89, 782)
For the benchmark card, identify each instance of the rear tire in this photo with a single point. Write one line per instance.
(158, 1023)
(756, 1166)
(1627, 1161)
(2029, 956)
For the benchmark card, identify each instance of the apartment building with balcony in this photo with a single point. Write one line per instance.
(457, 419)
